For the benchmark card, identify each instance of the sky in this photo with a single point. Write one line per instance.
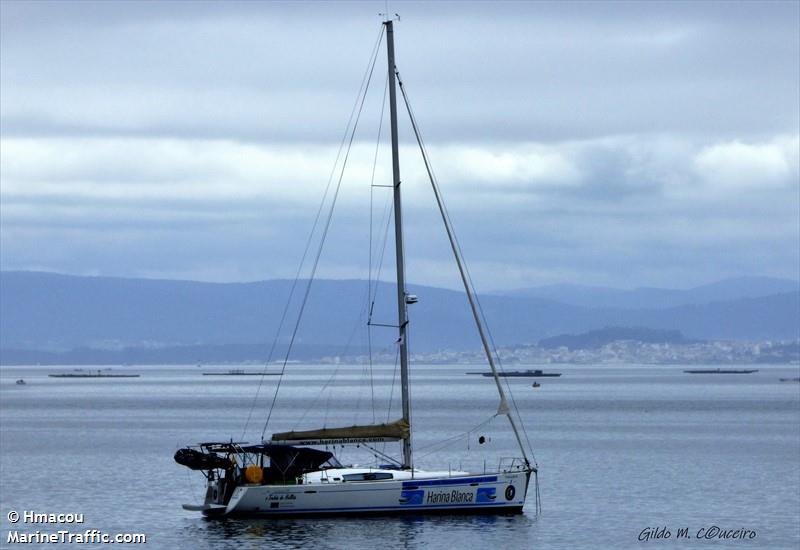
(621, 144)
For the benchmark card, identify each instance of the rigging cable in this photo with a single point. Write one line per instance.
(457, 250)
(324, 235)
(311, 235)
(370, 302)
(389, 215)
(391, 390)
(439, 445)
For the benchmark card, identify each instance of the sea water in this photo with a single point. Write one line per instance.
(630, 456)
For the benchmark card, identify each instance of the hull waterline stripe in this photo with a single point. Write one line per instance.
(381, 508)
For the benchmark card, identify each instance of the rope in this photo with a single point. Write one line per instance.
(313, 404)
(369, 269)
(459, 253)
(439, 445)
(308, 243)
(391, 390)
(324, 232)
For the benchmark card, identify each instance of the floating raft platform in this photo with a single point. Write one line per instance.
(721, 371)
(241, 373)
(521, 374)
(92, 375)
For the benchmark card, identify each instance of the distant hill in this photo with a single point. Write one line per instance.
(173, 355)
(659, 298)
(60, 312)
(47, 313)
(595, 339)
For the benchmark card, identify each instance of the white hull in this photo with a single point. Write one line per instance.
(482, 494)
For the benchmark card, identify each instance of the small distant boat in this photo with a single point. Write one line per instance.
(536, 385)
(520, 373)
(721, 371)
(21, 382)
(789, 379)
(240, 372)
(97, 374)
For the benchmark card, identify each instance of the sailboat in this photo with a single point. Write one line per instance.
(286, 475)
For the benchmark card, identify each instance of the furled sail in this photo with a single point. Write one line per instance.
(374, 433)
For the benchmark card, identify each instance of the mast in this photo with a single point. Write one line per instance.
(402, 318)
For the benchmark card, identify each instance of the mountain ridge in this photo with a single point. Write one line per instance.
(658, 298)
(57, 313)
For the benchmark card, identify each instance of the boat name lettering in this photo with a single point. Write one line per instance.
(449, 497)
(285, 496)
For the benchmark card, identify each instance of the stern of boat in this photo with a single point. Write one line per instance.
(214, 502)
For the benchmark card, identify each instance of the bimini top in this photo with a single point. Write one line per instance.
(374, 433)
(286, 461)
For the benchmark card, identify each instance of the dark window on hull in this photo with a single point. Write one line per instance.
(368, 476)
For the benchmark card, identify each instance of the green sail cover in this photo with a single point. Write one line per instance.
(374, 433)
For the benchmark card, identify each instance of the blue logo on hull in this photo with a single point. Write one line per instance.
(411, 498)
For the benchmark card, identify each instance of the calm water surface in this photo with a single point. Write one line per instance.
(620, 449)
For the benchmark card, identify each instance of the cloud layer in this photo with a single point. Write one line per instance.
(619, 144)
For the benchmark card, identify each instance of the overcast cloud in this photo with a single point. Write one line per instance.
(623, 144)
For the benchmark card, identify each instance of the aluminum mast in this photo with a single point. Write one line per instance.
(402, 318)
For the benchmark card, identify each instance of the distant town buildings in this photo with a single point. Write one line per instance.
(619, 352)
